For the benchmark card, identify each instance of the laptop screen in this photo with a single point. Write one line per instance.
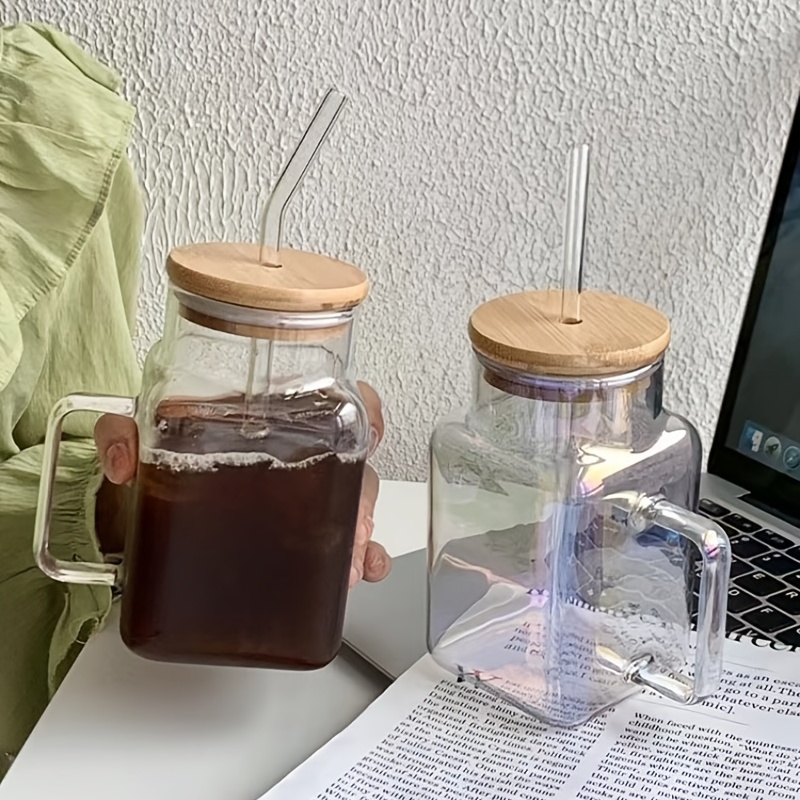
(766, 415)
(757, 444)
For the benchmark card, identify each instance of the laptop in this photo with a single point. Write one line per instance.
(752, 487)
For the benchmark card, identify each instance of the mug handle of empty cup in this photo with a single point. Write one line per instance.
(70, 571)
(639, 512)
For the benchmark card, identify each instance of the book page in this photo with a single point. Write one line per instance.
(430, 738)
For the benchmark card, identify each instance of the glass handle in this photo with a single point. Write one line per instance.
(640, 512)
(70, 571)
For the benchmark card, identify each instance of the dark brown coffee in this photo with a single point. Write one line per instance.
(243, 539)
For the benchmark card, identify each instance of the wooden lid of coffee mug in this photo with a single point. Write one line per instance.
(231, 273)
(524, 332)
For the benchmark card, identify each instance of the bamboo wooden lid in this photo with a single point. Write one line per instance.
(524, 332)
(231, 273)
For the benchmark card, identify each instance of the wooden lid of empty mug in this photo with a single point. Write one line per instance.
(524, 332)
(232, 273)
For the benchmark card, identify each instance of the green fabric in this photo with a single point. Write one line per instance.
(70, 228)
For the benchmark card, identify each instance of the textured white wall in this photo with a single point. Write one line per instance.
(444, 179)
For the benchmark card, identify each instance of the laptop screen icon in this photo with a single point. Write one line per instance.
(751, 438)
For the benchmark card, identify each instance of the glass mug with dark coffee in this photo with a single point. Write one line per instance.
(252, 444)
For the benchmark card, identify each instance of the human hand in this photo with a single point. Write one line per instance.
(370, 560)
(117, 445)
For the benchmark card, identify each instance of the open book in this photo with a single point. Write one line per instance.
(429, 738)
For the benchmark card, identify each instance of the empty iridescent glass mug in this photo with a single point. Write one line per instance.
(563, 552)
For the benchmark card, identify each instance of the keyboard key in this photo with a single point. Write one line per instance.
(760, 584)
(739, 600)
(776, 564)
(788, 601)
(740, 568)
(732, 624)
(749, 632)
(741, 523)
(732, 532)
(794, 552)
(713, 509)
(767, 620)
(774, 539)
(793, 580)
(790, 637)
(747, 547)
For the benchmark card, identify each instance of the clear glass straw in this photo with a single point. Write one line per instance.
(293, 174)
(575, 234)
(256, 402)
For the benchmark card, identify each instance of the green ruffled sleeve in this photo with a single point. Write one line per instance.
(43, 622)
(70, 229)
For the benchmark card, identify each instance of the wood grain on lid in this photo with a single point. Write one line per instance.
(523, 331)
(231, 273)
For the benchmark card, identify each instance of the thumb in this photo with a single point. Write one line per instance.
(117, 443)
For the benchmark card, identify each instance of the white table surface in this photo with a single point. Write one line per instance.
(122, 728)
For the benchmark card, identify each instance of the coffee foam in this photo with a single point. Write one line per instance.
(210, 462)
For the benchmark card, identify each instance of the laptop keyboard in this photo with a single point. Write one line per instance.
(764, 592)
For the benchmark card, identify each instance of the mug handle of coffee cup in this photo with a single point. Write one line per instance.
(640, 512)
(56, 568)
